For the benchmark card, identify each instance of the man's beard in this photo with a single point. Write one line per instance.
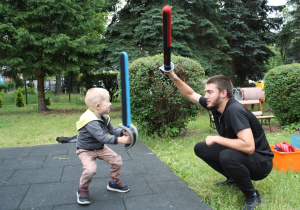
(215, 105)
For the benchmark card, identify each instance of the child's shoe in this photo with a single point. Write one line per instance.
(117, 186)
(83, 196)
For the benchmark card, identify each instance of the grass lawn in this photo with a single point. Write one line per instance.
(21, 127)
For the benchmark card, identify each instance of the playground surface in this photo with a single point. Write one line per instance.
(47, 177)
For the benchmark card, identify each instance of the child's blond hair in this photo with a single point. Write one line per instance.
(94, 96)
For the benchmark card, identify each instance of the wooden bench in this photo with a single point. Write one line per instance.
(264, 120)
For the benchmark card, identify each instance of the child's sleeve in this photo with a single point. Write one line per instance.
(114, 131)
(99, 134)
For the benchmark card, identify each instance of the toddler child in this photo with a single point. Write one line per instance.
(94, 128)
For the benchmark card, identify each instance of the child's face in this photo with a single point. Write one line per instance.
(105, 103)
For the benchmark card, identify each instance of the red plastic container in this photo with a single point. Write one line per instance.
(286, 161)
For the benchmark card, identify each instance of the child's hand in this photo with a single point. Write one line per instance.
(125, 133)
(124, 139)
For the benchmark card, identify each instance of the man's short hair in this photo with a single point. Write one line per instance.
(222, 83)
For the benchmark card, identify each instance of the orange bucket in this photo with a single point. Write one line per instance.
(286, 161)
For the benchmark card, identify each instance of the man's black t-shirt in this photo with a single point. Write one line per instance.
(237, 117)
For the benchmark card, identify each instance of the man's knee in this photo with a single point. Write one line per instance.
(199, 148)
(228, 159)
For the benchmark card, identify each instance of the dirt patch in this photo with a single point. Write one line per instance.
(275, 128)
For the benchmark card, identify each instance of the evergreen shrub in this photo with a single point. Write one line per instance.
(282, 88)
(157, 106)
(20, 98)
(47, 101)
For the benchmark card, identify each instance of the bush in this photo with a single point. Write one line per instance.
(157, 105)
(6, 86)
(29, 90)
(1, 102)
(20, 98)
(3, 87)
(283, 92)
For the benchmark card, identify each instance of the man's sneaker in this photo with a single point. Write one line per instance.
(251, 203)
(83, 196)
(228, 182)
(117, 186)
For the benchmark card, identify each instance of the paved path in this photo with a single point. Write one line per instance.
(47, 177)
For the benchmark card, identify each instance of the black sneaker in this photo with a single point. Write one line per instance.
(251, 203)
(62, 139)
(117, 186)
(228, 182)
(83, 196)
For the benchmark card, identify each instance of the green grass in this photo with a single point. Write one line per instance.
(279, 190)
(27, 127)
(21, 127)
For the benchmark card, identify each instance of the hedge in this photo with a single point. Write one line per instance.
(157, 105)
(282, 88)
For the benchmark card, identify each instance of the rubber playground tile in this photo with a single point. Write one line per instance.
(56, 149)
(179, 194)
(72, 173)
(4, 176)
(61, 160)
(114, 204)
(15, 152)
(12, 196)
(19, 163)
(34, 176)
(148, 202)
(132, 167)
(41, 195)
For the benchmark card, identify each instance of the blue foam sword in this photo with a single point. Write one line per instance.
(125, 99)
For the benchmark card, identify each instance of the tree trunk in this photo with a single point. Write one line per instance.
(74, 87)
(41, 91)
(58, 84)
(232, 63)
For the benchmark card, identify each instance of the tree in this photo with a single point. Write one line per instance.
(249, 32)
(275, 60)
(289, 37)
(46, 37)
(137, 29)
(58, 84)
